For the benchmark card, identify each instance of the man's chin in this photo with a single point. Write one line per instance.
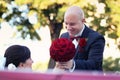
(71, 34)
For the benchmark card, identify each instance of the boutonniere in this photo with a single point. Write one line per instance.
(82, 44)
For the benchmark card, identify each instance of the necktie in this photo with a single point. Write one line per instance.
(77, 38)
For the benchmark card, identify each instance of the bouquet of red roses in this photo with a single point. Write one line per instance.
(62, 50)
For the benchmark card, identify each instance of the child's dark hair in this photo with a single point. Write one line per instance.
(16, 54)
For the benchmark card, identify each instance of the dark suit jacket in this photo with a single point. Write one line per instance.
(92, 56)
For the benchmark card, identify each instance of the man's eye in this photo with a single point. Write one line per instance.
(72, 24)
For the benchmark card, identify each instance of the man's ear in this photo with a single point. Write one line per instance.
(83, 20)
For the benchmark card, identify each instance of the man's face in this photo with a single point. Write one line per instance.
(73, 24)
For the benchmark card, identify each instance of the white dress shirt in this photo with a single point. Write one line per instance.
(75, 42)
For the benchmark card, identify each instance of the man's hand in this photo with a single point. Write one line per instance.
(64, 65)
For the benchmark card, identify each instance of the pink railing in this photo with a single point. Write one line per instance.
(12, 75)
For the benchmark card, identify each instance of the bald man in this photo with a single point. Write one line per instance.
(89, 45)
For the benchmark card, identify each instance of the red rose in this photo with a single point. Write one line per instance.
(62, 50)
(82, 44)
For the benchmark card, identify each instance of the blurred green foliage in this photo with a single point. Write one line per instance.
(111, 64)
(104, 14)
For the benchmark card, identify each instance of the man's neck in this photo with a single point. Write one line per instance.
(80, 33)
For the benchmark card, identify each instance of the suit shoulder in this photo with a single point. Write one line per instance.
(64, 35)
(95, 36)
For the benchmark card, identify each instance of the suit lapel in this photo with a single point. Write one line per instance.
(85, 32)
(84, 35)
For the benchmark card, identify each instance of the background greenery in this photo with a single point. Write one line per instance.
(101, 15)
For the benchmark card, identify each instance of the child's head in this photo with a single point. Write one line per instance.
(18, 55)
